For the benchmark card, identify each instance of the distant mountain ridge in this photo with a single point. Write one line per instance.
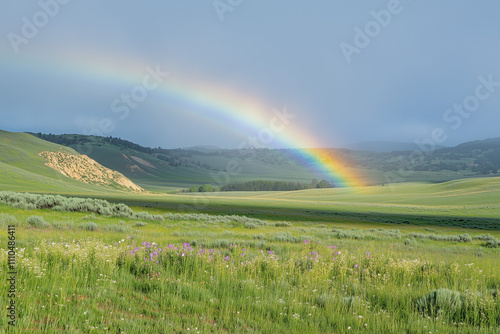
(158, 167)
(384, 146)
(202, 148)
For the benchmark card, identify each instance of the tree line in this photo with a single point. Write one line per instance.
(263, 185)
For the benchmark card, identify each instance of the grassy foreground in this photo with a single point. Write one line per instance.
(86, 273)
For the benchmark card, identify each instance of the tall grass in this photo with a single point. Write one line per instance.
(202, 278)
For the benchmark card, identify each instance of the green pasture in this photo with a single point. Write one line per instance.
(81, 272)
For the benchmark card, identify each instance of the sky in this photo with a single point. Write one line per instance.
(261, 73)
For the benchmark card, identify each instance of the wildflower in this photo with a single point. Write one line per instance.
(356, 265)
(226, 258)
(368, 253)
(270, 252)
(307, 241)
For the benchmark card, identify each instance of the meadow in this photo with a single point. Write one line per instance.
(91, 266)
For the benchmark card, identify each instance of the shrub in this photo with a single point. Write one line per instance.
(484, 237)
(59, 203)
(6, 219)
(411, 241)
(146, 216)
(120, 228)
(283, 237)
(214, 219)
(349, 235)
(451, 238)
(90, 226)
(63, 225)
(493, 243)
(392, 233)
(121, 210)
(465, 237)
(440, 300)
(283, 224)
(24, 206)
(38, 222)
(323, 300)
(140, 224)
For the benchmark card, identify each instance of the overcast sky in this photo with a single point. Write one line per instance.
(348, 72)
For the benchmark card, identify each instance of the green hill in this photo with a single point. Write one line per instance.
(159, 169)
(166, 169)
(24, 166)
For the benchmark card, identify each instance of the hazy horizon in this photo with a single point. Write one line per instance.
(208, 145)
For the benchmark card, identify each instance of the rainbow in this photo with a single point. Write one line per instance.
(218, 105)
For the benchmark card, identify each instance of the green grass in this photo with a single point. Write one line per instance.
(22, 169)
(470, 203)
(77, 274)
(432, 264)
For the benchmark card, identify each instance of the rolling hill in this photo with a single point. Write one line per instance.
(163, 169)
(28, 163)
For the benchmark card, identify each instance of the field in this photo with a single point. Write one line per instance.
(314, 261)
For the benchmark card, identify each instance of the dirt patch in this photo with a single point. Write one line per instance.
(135, 169)
(84, 169)
(143, 162)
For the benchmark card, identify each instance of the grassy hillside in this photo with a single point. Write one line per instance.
(160, 169)
(166, 169)
(23, 169)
